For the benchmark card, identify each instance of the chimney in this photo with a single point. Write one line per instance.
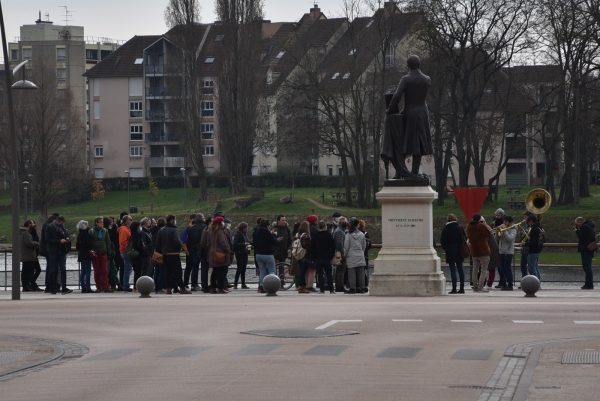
(315, 12)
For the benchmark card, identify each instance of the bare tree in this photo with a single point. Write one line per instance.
(183, 17)
(238, 89)
(51, 137)
(475, 40)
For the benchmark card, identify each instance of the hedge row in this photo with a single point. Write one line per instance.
(219, 181)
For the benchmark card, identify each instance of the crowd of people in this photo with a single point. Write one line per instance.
(492, 248)
(117, 247)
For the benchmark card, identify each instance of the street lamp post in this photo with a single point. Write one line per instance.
(128, 197)
(184, 189)
(14, 166)
(25, 184)
(31, 197)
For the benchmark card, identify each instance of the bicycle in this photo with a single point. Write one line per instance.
(287, 281)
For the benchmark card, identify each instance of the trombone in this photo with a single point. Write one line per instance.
(500, 230)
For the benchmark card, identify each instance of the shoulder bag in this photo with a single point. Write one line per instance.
(465, 252)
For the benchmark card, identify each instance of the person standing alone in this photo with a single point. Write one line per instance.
(586, 233)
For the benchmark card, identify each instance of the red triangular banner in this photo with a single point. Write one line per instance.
(470, 200)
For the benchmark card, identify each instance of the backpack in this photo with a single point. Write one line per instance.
(298, 252)
(542, 238)
(130, 251)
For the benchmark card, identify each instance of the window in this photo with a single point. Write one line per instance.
(346, 75)
(138, 61)
(340, 170)
(209, 170)
(208, 83)
(14, 54)
(105, 53)
(27, 53)
(99, 172)
(135, 109)
(136, 151)
(99, 151)
(61, 74)
(389, 54)
(91, 54)
(208, 109)
(280, 55)
(329, 170)
(60, 93)
(208, 131)
(61, 53)
(219, 38)
(209, 60)
(335, 76)
(136, 86)
(136, 172)
(96, 87)
(136, 132)
(96, 109)
(208, 150)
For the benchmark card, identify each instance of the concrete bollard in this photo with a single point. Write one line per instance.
(530, 285)
(144, 285)
(271, 284)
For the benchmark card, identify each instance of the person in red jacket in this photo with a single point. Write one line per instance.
(479, 234)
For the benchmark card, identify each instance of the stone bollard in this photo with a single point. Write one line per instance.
(271, 284)
(530, 285)
(144, 285)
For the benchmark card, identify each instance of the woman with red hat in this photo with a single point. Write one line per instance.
(218, 245)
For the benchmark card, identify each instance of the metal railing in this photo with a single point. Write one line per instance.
(165, 137)
(156, 90)
(158, 115)
(155, 68)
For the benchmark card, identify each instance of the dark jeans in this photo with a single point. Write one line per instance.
(533, 260)
(340, 272)
(195, 268)
(56, 262)
(159, 277)
(506, 268)
(188, 268)
(30, 272)
(85, 275)
(173, 271)
(586, 263)
(217, 278)
(501, 275)
(523, 264)
(204, 274)
(461, 273)
(324, 266)
(137, 264)
(242, 263)
(304, 265)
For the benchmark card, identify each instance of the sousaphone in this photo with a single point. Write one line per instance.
(538, 202)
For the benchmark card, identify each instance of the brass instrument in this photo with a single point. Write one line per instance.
(537, 201)
(499, 230)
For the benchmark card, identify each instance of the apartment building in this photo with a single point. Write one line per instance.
(68, 49)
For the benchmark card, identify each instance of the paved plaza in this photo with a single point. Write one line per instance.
(496, 346)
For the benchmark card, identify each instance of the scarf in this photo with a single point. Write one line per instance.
(100, 230)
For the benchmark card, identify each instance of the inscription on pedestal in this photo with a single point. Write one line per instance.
(405, 223)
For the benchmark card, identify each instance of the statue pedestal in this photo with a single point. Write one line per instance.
(407, 264)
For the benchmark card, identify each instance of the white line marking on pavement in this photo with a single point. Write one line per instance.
(527, 321)
(466, 321)
(407, 320)
(586, 321)
(331, 323)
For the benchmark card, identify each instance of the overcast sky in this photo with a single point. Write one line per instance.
(122, 19)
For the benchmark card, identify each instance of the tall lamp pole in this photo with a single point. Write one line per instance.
(128, 197)
(14, 165)
(184, 189)
(31, 197)
(25, 184)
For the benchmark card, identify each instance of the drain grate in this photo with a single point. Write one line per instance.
(13, 356)
(581, 357)
(478, 388)
(515, 356)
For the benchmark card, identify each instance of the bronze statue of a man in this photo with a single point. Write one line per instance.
(407, 132)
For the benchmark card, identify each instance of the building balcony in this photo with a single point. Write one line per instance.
(164, 161)
(158, 115)
(165, 137)
(155, 69)
(207, 91)
(155, 90)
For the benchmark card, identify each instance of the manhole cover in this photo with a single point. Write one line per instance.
(13, 356)
(300, 333)
(581, 357)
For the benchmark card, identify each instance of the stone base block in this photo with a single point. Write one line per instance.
(407, 284)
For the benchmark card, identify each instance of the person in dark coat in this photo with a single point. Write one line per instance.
(408, 133)
(322, 250)
(218, 242)
(84, 245)
(44, 250)
(193, 244)
(169, 245)
(586, 233)
(534, 245)
(29, 257)
(453, 236)
(241, 246)
(58, 244)
(138, 244)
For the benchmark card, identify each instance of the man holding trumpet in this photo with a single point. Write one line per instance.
(507, 233)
